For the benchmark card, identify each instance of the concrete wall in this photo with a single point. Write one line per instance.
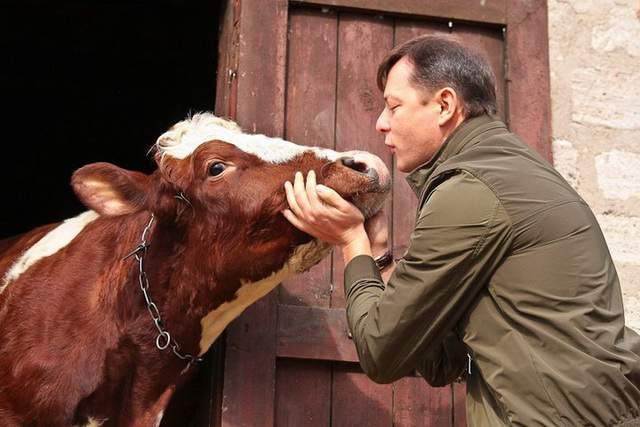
(594, 50)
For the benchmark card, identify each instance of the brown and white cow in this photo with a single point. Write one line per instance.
(78, 343)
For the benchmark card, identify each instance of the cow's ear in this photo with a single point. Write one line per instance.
(110, 190)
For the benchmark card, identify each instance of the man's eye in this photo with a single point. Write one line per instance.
(216, 168)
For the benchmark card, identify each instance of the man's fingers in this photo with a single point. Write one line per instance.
(331, 197)
(301, 194)
(291, 199)
(293, 219)
(314, 201)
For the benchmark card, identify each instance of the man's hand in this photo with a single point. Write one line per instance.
(321, 212)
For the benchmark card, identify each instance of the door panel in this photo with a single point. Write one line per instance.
(303, 395)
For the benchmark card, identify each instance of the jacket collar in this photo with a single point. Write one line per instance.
(456, 142)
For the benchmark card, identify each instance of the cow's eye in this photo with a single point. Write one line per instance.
(216, 168)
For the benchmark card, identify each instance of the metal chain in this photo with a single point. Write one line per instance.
(163, 339)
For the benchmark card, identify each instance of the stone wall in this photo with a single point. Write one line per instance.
(594, 52)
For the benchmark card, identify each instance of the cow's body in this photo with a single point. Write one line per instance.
(77, 342)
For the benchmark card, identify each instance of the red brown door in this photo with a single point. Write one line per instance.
(305, 70)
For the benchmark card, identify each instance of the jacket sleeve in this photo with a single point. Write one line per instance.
(444, 363)
(461, 235)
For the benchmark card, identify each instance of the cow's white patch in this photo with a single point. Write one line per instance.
(304, 257)
(159, 418)
(184, 137)
(51, 243)
(95, 422)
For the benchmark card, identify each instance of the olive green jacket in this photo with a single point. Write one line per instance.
(507, 275)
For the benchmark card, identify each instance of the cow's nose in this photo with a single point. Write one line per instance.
(368, 164)
(361, 164)
(358, 166)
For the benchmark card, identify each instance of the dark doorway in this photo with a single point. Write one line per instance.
(86, 81)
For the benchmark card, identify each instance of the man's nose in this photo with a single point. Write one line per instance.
(382, 124)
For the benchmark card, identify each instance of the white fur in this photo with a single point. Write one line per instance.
(186, 136)
(94, 422)
(304, 257)
(51, 243)
(159, 418)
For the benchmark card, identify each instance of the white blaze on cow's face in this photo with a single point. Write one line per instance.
(185, 137)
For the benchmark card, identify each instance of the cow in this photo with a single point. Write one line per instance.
(104, 314)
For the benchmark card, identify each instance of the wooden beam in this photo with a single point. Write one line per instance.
(489, 11)
(314, 333)
(528, 87)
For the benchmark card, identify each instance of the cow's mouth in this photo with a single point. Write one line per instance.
(369, 203)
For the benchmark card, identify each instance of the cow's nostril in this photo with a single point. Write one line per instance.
(351, 163)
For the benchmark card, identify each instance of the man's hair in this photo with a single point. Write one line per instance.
(440, 62)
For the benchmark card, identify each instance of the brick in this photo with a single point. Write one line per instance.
(565, 160)
(623, 237)
(606, 96)
(618, 174)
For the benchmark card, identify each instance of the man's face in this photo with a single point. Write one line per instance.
(410, 119)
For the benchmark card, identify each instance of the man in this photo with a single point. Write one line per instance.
(507, 280)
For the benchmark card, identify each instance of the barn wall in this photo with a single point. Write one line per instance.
(594, 54)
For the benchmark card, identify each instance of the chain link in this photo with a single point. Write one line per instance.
(163, 339)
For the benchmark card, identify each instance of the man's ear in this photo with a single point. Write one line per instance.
(110, 190)
(450, 106)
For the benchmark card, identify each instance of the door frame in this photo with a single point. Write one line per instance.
(254, 33)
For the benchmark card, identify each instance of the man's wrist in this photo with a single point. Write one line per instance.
(383, 261)
(379, 250)
(357, 245)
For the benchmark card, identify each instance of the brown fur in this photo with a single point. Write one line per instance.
(76, 340)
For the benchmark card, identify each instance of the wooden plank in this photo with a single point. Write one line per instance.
(528, 86)
(363, 41)
(303, 394)
(262, 65)
(249, 381)
(489, 11)
(310, 120)
(249, 384)
(459, 404)
(488, 42)
(404, 199)
(226, 82)
(358, 401)
(417, 404)
(314, 333)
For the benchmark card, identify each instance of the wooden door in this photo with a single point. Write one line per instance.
(305, 70)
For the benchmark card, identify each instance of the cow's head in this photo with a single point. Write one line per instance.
(224, 188)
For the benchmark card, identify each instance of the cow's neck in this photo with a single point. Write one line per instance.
(188, 273)
(164, 263)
